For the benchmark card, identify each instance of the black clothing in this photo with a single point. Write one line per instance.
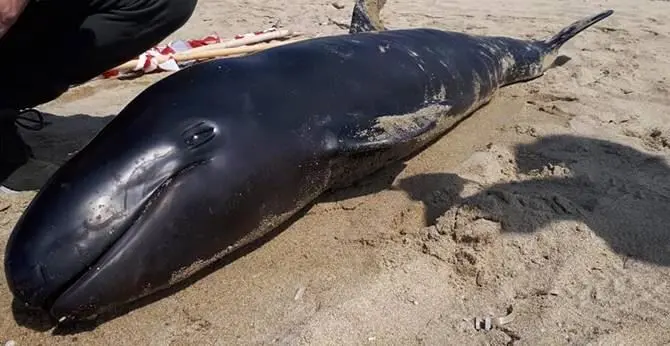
(56, 44)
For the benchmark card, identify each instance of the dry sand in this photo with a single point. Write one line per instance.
(553, 200)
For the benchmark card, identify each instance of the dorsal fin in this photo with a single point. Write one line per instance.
(365, 16)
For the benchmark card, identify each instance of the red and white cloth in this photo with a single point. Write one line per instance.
(149, 61)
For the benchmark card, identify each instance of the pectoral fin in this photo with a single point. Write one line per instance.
(391, 130)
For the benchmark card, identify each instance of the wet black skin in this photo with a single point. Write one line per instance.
(201, 158)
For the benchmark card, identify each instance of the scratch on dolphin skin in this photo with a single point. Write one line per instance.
(384, 48)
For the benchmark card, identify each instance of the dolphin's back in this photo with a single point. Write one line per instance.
(350, 78)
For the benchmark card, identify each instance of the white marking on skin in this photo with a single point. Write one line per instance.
(126, 190)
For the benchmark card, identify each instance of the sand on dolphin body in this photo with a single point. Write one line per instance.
(551, 200)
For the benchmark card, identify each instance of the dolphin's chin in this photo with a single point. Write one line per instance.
(30, 274)
(53, 299)
(79, 299)
(60, 306)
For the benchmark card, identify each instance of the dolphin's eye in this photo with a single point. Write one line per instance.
(198, 134)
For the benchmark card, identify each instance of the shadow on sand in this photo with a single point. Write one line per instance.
(59, 139)
(62, 136)
(622, 194)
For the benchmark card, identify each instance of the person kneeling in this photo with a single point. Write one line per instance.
(47, 46)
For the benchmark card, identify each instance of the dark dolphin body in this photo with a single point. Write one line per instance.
(215, 156)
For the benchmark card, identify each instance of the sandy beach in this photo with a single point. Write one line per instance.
(552, 202)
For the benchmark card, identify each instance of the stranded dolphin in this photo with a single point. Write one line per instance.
(214, 156)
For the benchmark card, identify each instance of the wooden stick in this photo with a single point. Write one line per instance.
(221, 52)
(268, 36)
(209, 54)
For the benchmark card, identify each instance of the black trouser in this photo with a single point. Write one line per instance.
(58, 43)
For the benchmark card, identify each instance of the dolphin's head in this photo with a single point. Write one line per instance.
(109, 226)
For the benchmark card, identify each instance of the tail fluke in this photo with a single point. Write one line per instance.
(575, 28)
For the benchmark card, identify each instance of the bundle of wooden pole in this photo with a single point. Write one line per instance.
(241, 46)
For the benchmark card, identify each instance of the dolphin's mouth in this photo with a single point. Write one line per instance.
(142, 210)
